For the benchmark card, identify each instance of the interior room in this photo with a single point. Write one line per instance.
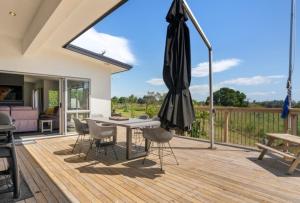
(32, 102)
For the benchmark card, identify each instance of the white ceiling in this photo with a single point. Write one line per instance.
(15, 26)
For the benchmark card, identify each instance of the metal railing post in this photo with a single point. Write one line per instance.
(209, 47)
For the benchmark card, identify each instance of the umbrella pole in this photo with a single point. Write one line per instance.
(209, 47)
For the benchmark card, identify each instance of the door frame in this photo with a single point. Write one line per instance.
(64, 97)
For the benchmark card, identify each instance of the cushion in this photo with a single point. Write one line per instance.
(49, 111)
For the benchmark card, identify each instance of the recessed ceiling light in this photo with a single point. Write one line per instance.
(12, 13)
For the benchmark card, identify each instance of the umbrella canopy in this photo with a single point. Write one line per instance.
(177, 110)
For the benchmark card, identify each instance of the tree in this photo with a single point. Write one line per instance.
(229, 97)
(141, 101)
(132, 99)
(114, 102)
(122, 100)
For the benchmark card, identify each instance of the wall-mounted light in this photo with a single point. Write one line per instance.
(12, 13)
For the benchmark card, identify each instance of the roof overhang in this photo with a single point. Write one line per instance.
(54, 24)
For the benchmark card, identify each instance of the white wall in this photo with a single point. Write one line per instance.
(28, 87)
(60, 63)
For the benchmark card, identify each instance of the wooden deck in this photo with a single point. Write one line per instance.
(227, 174)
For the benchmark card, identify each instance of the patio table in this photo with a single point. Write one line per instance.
(129, 125)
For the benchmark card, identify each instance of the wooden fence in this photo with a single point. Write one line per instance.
(243, 126)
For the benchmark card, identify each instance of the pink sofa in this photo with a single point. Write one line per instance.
(24, 117)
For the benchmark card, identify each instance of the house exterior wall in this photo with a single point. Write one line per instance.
(59, 63)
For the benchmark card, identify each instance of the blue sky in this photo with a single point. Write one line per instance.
(250, 40)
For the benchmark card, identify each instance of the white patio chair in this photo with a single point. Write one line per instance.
(98, 133)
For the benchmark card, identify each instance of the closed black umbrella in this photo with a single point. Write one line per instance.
(177, 110)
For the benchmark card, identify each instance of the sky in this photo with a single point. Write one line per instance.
(250, 40)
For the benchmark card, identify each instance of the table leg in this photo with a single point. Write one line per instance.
(264, 151)
(115, 136)
(128, 142)
(294, 165)
(147, 145)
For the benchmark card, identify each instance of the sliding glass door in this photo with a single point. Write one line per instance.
(77, 102)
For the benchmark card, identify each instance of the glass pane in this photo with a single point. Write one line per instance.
(78, 95)
(70, 122)
(53, 96)
(82, 116)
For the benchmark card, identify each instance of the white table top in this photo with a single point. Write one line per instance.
(131, 123)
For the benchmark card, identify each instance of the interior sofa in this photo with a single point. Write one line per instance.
(25, 118)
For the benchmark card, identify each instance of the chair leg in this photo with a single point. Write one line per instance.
(149, 149)
(173, 153)
(75, 143)
(82, 140)
(91, 145)
(114, 150)
(105, 151)
(160, 154)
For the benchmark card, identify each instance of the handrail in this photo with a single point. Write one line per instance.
(248, 109)
(196, 24)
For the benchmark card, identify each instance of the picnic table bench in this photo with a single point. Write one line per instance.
(287, 138)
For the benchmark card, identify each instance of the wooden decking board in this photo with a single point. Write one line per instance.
(73, 184)
(34, 187)
(225, 175)
(105, 183)
(45, 178)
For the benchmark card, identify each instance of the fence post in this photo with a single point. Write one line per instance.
(294, 126)
(226, 126)
(286, 125)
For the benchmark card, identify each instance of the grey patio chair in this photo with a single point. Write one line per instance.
(98, 133)
(82, 129)
(161, 137)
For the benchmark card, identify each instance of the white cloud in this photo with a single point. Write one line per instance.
(156, 81)
(199, 89)
(203, 89)
(202, 69)
(255, 80)
(114, 47)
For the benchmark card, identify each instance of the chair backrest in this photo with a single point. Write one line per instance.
(145, 117)
(5, 119)
(159, 134)
(78, 126)
(92, 127)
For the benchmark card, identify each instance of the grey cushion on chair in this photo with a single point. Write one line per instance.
(159, 135)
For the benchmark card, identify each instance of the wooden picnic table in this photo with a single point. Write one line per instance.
(130, 125)
(286, 138)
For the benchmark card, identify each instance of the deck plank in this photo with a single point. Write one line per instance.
(227, 174)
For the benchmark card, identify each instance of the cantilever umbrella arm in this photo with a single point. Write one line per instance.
(209, 47)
